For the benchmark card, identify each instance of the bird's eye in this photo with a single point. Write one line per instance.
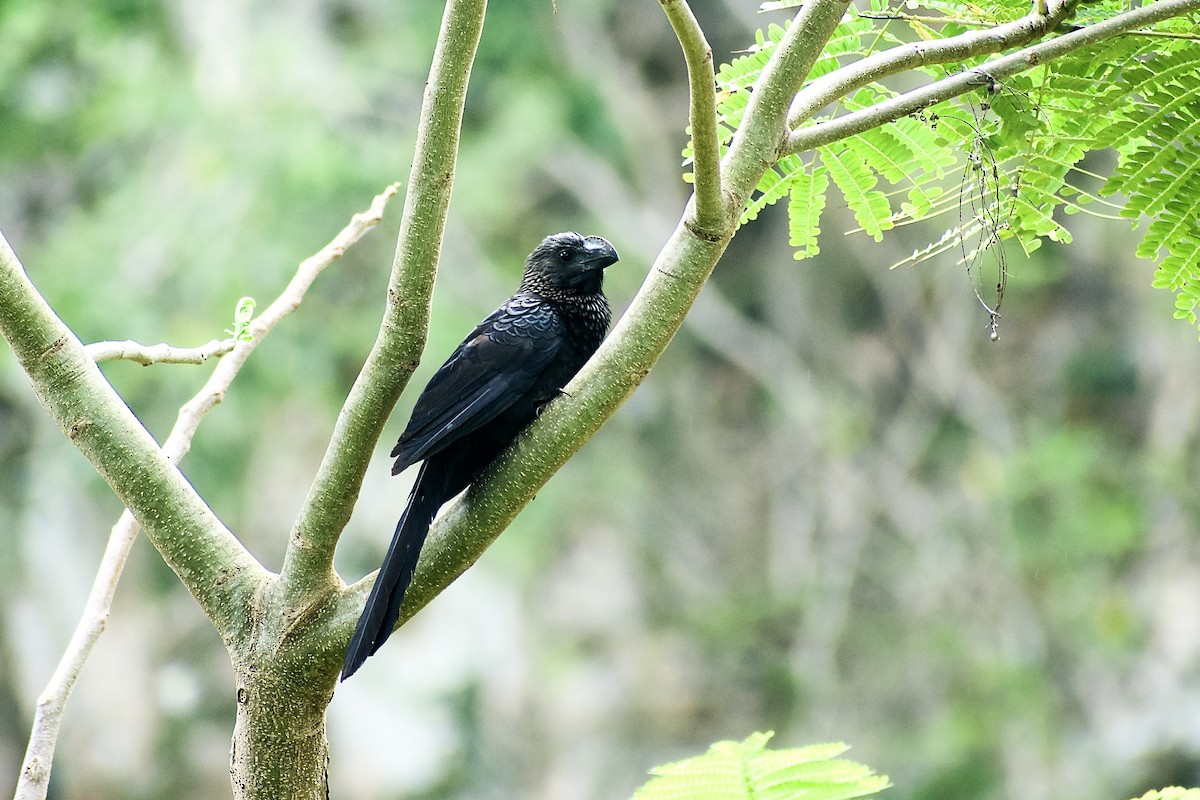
(564, 255)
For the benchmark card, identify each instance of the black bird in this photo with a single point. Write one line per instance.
(514, 363)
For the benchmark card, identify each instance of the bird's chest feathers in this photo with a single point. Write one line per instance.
(585, 324)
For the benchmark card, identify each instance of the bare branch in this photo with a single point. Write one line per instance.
(932, 20)
(213, 392)
(314, 265)
(308, 562)
(841, 82)
(910, 102)
(711, 209)
(147, 354)
(39, 754)
(34, 781)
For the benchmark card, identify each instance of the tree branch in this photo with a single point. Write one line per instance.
(34, 780)
(179, 441)
(823, 133)
(308, 562)
(711, 209)
(147, 354)
(39, 754)
(209, 560)
(828, 88)
(287, 302)
(764, 125)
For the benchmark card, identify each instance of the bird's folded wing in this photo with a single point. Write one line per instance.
(497, 364)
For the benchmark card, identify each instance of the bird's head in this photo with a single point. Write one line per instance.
(568, 262)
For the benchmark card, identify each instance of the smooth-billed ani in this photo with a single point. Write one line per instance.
(487, 392)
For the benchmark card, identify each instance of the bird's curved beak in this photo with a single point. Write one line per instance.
(600, 254)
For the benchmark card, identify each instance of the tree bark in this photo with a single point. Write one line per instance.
(279, 745)
(285, 672)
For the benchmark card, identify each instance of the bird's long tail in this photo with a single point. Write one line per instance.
(383, 606)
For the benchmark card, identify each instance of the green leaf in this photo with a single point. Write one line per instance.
(857, 184)
(746, 770)
(805, 204)
(243, 313)
(1007, 162)
(1171, 793)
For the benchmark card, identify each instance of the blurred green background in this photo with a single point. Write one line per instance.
(834, 510)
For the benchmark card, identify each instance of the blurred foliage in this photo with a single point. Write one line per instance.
(835, 509)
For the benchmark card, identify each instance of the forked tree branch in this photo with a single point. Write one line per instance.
(308, 561)
(841, 82)
(34, 779)
(813, 136)
(711, 209)
(469, 524)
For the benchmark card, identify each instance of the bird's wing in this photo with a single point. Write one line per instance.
(494, 366)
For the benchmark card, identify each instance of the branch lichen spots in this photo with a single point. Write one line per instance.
(53, 349)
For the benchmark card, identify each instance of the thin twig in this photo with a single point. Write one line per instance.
(147, 354)
(706, 159)
(213, 392)
(813, 136)
(929, 20)
(39, 755)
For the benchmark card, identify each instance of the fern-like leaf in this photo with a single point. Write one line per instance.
(805, 204)
(746, 770)
(1008, 159)
(1171, 793)
(857, 184)
(1159, 168)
